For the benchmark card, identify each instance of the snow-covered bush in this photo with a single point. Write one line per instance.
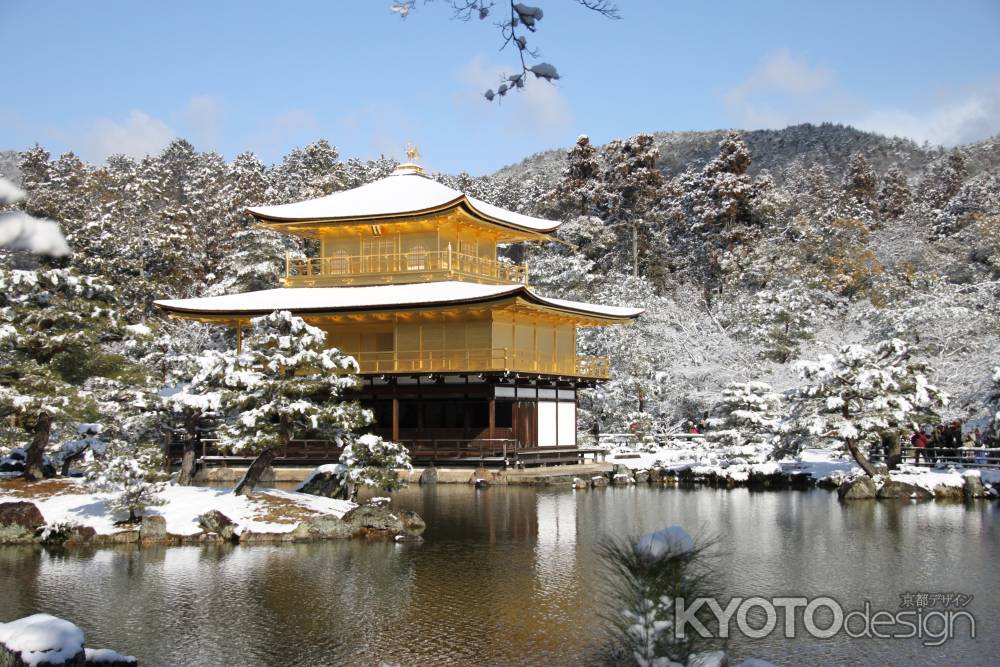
(125, 477)
(372, 461)
(646, 576)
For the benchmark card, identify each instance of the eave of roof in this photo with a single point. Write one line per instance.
(332, 300)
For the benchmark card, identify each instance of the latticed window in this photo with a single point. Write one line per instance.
(416, 258)
(339, 262)
(377, 254)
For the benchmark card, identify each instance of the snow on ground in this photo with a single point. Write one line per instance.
(271, 510)
(817, 463)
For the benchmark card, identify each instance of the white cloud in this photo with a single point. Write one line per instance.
(963, 116)
(138, 136)
(199, 121)
(786, 89)
(781, 73)
(538, 110)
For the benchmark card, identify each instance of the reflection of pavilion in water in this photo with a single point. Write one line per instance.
(556, 545)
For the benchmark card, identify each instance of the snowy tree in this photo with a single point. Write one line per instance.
(746, 420)
(361, 172)
(942, 180)
(779, 319)
(851, 398)
(840, 256)
(894, 194)
(580, 190)
(51, 326)
(122, 473)
(712, 211)
(309, 172)
(284, 383)
(371, 461)
(633, 187)
(861, 181)
(977, 198)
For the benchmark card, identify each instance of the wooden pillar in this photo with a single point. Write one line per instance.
(493, 417)
(395, 419)
(239, 337)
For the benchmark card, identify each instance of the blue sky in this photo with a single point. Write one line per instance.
(105, 77)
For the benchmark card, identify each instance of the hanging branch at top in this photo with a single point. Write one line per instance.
(522, 17)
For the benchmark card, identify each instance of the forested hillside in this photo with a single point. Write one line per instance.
(749, 251)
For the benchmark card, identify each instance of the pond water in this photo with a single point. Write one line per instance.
(511, 576)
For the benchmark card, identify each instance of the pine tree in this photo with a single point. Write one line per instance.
(121, 472)
(894, 195)
(633, 187)
(307, 173)
(861, 181)
(371, 461)
(284, 383)
(580, 190)
(850, 398)
(942, 180)
(53, 323)
(779, 320)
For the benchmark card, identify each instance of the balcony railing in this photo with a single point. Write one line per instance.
(398, 267)
(464, 360)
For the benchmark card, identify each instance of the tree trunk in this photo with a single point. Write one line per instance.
(862, 460)
(186, 476)
(70, 459)
(255, 472)
(33, 468)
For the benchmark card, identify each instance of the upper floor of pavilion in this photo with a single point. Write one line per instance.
(405, 228)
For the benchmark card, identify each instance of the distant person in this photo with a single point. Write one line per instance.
(969, 446)
(693, 428)
(919, 442)
(955, 440)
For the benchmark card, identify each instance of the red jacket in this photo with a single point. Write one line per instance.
(919, 439)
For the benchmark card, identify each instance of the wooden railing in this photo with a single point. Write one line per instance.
(495, 359)
(502, 452)
(966, 457)
(388, 268)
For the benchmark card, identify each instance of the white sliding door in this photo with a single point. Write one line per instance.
(547, 416)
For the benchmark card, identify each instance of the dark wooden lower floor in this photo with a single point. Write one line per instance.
(453, 420)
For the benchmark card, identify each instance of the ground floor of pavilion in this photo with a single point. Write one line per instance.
(481, 419)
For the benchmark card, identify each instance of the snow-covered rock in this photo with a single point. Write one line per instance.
(669, 540)
(42, 639)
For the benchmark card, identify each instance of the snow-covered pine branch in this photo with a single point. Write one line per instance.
(851, 398)
(285, 383)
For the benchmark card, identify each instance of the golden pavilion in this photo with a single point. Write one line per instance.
(459, 358)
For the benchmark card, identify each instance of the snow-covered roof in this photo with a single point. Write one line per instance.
(315, 300)
(404, 193)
